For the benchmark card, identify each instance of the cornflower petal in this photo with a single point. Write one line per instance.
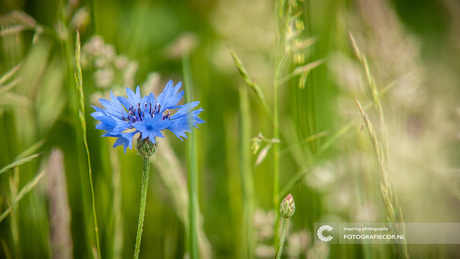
(169, 98)
(134, 98)
(181, 124)
(126, 103)
(125, 139)
(184, 109)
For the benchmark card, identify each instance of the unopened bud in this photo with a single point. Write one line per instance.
(145, 147)
(287, 206)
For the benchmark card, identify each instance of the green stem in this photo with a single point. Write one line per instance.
(192, 171)
(144, 188)
(280, 59)
(276, 156)
(93, 16)
(246, 173)
(283, 238)
(276, 135)
(79, 86)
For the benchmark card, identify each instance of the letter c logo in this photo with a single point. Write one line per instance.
(320, 233)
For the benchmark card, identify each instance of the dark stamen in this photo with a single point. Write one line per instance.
(166, 116)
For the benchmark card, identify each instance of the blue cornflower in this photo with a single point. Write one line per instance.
(123, 118)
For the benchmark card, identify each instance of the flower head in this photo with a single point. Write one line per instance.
(123, 118)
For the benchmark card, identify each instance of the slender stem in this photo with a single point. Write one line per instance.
(276, 156)
(192, 171)
(93, 16)
(283, 238)
(276, 133)
(144, 188)
(310, 108)
(79, 86)
(80, 109)
(117, 241)
(246, 172)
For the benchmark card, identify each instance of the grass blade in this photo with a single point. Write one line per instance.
(295, 179)
(301, 70)
(373, 87)
(325, 146)
(10, 73)
(31, 149)
(394, 212)
(255, 87)
(246, 173)
(192, 168)
(79, 85)
(18, 163)
(27, 188)
(10, 85)
(171, 173)
(311, 138)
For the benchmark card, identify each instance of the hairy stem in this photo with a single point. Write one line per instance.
(283, 238)
(144, 188)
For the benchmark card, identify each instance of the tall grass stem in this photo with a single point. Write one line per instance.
(246, 172)
(81, 114)
(279, 61)
(93, 16)
(117, 245)
(192, 167)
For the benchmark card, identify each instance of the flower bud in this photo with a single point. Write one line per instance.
(145, 147)
(287, 206)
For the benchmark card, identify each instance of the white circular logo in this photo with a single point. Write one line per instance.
(320, 233)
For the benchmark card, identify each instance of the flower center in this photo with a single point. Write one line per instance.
(136, 113)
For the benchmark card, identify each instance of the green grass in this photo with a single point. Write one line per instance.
(192, 167)
(81, 115)
(285, 69)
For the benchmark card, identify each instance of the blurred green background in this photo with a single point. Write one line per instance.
(413, 54)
